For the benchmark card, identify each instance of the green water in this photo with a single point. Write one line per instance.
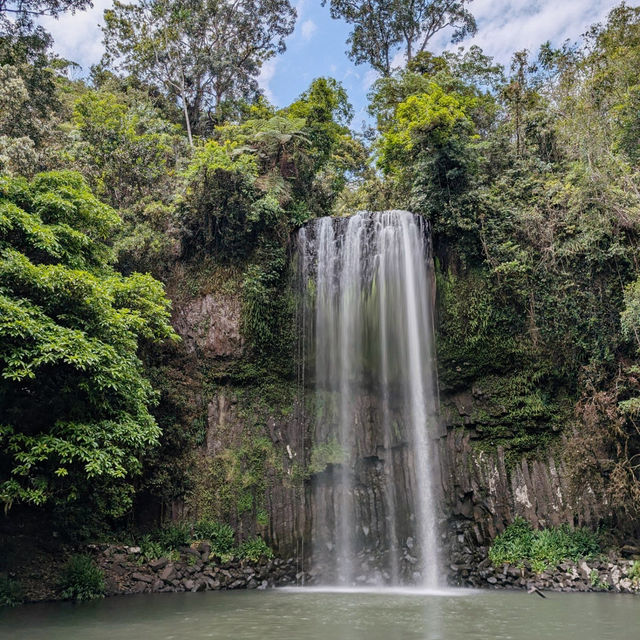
(311, 615)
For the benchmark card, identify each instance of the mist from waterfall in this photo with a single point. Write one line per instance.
(370, 371)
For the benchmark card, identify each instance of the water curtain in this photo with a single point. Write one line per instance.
(370, 381)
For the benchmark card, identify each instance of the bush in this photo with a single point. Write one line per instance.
(151, 549)
(82, 579)
(10, 592)
(254, 550)
(513, 544)
(164, 542)
(519, 543)
(221, 536)
(173, 536)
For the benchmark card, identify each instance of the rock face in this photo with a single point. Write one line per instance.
(482, 494)
(479, 491)
(210, 325)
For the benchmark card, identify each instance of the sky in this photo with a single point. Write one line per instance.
(317, 46)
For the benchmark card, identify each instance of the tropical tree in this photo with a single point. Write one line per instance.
(127, 150)
(383, 27)
(75, 403)
(205, 53)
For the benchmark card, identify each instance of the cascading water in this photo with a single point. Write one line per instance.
(369, 365)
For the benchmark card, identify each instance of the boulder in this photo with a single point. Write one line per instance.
(159, 563)
(168, 573)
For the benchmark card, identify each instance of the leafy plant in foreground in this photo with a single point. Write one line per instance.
(75, 400)
(254, 550)
(10, 592)
(82, 579)
(221, 536)
(519, 543)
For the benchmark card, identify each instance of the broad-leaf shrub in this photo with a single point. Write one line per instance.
(82, 579)
(520, 543)
(75, 401)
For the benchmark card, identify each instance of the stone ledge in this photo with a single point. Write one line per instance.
(585, 575)
(126, 572)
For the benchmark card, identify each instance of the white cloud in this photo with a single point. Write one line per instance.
(506, 26)
(308, 29)
(267, 72)
(78, 37)
(369, 78)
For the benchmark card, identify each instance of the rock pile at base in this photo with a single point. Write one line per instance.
(614, 575)
(126, 571)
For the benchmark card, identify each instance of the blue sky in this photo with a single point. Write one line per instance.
(317, 46)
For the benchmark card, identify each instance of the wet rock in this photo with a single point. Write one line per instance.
(168, 574)
(615, 577)
(158, 564)
(585, 569)
(200, 585)
(212, 584)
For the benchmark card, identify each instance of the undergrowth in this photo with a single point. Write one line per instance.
(520, 544)
(82, 579)
(10, 591)
(167, 541)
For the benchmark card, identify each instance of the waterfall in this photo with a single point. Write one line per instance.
(369, 375)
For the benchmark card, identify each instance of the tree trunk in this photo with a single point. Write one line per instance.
(187, 120)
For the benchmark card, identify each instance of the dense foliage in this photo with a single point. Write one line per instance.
(74, 397)
(170, 540)
(519, 544)
(82, 579)
(530, 180)
(11, 593)
(168, 161)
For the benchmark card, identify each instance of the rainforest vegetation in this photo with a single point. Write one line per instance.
(165, 174)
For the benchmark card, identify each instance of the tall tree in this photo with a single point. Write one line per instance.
(206, 53)
(383, 27)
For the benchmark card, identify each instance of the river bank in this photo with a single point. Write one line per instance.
(194, 569)
(616, 575)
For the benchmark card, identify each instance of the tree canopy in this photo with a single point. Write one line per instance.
(381, 28)
(75, 401)
(205, 53)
